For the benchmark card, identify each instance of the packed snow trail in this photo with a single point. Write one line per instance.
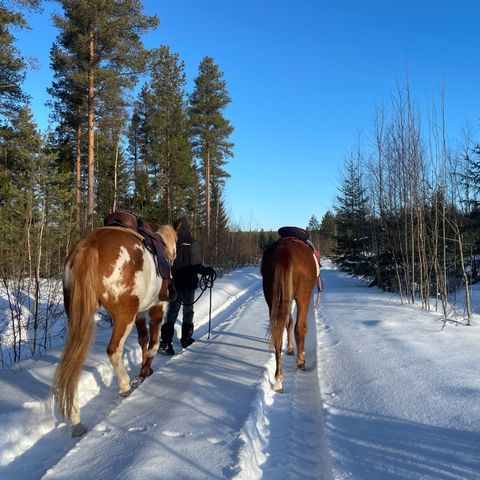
(195, 417)
(398, 398)
(401, 395)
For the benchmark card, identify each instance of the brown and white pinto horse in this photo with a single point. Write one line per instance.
(109, 267)
(290, 272)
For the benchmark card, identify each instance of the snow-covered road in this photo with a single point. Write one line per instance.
(206, 413)
(389, 392)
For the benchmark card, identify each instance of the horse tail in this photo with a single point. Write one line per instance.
(81, 302)
(282, 296)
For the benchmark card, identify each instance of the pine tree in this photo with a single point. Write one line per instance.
(69, 113)
(102, 38)
(168, 131)
(12, 64)
(210, 130)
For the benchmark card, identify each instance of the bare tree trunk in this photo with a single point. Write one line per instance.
(169, 192)
(78, 177)
(115, 179)
(91, 126)
(38, 270)
(207, 194)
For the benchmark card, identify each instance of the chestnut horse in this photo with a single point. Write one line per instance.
(109, 267)
(290, 271)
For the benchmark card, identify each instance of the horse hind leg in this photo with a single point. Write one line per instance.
(278, 387)
(143, 336)
(289, 336)
(78, 429)
(301, 328)
(122, 326)
(156, 316)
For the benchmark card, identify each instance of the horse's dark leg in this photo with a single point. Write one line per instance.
(301, 327)
(289, 336)
(142, 332)
(156, 316)
(278, 387)
(122, 326)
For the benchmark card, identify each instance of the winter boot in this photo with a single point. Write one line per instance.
(166, 339)
(187, 332)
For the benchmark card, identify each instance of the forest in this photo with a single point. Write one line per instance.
(127, 135)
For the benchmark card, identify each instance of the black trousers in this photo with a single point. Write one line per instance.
(186, 297)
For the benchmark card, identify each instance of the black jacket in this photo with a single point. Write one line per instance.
(188, 263)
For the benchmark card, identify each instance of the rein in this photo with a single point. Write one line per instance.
(206, 281)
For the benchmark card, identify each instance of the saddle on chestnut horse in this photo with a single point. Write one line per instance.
(300, 234)
(153, 242)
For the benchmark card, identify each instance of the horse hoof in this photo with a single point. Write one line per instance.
(301, 366)
(126, 393)
(78, 430)
(278, 387)
(289, 352)
(146, 372)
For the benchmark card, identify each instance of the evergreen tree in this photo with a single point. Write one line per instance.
(351, 213)
(69, 113)
(140, 154)
(35, 197)
(328, 225)
(12, 64)
(217, 254)
(210, 130)
(169, 131)
(160, 149)
(133, 150)
(328, 233)
(313, 225)
(111, 172)
(102, 40)
(313, 229)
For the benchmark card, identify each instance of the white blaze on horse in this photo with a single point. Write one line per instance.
(110, 267)
(290, 270)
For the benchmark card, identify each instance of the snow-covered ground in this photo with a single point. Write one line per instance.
(387, 394)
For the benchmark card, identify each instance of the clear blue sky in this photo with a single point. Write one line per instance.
(305, 78)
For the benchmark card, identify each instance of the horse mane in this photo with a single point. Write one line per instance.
(167, 234)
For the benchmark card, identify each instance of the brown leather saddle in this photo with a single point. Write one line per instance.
(153, 242)
(299, 234)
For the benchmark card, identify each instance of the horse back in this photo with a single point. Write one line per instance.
(289, 253)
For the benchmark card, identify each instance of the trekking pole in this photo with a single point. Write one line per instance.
(210, 280)
(210, 314)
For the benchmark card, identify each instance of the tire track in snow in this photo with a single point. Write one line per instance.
(284, 436)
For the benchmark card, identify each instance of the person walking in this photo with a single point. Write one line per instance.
(185, 270)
